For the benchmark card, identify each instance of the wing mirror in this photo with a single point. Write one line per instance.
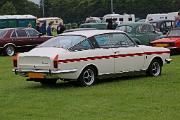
(40, 34)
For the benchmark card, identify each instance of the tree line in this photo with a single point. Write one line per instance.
(19, 7)
(77, 10)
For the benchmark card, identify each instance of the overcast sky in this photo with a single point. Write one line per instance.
(35, 1)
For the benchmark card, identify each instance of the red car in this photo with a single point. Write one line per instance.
(19, 39)
(171, 40)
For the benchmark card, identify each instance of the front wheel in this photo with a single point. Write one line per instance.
(88, 77)
(155, 68)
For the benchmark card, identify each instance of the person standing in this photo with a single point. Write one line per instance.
(29, 25)
(38, 26)
(42, 28)
(177, 20)
(60, 28)
(49, 29)
(110, 24)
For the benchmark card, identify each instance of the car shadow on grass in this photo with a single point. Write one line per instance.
(76, 84)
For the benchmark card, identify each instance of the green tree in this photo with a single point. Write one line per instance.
(8, 9)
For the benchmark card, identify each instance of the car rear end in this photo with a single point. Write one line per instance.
(36, 67)
(170, 44)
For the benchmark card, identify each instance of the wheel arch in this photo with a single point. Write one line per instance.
(157, 58)
(9, 44)
(91, 65)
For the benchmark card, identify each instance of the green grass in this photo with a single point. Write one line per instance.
(127, 98)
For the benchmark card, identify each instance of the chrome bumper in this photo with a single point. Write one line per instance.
(43, 71)
(168, 61)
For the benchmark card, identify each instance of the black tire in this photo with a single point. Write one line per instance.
(48, 82)
(154, 68)
(9, 50)
(88, 76)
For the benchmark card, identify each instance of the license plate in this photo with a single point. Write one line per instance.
(36, 75)
(162, 45)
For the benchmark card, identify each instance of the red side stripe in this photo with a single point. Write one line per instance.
(110, 56)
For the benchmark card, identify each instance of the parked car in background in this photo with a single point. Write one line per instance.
(93, 20)
(119, 19)
(142, 33)
(99, 26)
(155, 17)
(163, 25)
(54, 20)
(79, 29)
(87, 55)
(13, 40)
(171, 41)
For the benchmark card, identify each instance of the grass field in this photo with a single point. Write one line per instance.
(127, 98)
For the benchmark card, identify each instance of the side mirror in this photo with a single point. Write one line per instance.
(40, 34)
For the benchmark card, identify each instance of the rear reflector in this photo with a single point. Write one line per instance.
(55, 61)
(15, 60)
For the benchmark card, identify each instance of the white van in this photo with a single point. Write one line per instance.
(164, 16)
(93, 20)
(120, 18)
(172, 15)
(156, 17)
(55, 20)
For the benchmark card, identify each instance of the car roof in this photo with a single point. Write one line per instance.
(103, 23)
(19, 28)
(134, 24)
(90, 33)
(177, 28)
(79, 29)
(161, 21)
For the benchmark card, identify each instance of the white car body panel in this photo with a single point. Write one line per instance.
(107, 61)
(129, 59)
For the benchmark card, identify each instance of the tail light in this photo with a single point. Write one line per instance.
(171, 44)
(55, 61)
(15, 58)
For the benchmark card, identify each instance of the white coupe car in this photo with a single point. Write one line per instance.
(87, 55)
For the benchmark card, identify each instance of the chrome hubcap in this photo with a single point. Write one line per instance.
(156, 69)
(88, 76)
(10, 50)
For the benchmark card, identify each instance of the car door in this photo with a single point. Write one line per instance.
(104, 54)
(20, 38)
(128, 56)
(142, 34)
(153, 35)
(34, 36)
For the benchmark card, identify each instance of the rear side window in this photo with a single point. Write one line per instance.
(83, 45)
(13, 34)
(2, 33)
(145, 28)
(127, 29)
(102, 41)
(21, 33)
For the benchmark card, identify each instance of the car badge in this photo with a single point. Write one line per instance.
(34, 67)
